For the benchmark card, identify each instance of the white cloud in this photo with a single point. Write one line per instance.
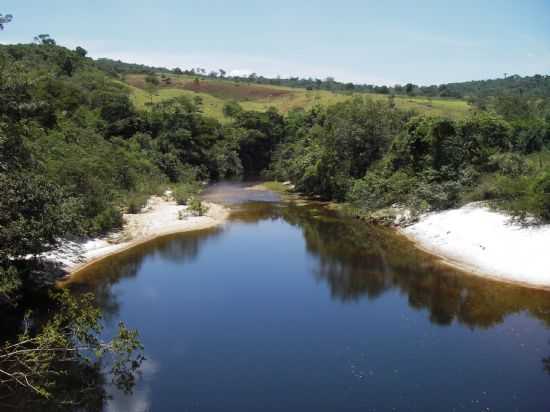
(239, 64)
(240, 72)
(140, 399)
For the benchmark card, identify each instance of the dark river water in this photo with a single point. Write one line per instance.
(288, 307)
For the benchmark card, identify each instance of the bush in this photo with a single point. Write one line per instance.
(486, 189)
(196, 207)
(541, 197)
(109, 218)
(418, 192)
(509, 164)
(136, 202)
(232, 109)
(185, 191)
(375, 191)
(522, 196)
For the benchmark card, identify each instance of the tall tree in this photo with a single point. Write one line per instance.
(81, 51)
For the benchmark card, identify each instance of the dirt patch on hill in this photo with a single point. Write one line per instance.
(227, 90)
(235, 91)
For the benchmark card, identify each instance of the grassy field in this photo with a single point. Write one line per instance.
(215, 93)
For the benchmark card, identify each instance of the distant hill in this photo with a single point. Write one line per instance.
(215, 93)
(531, 86)
(114, 67)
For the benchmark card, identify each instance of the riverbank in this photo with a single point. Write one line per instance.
(160, 217)
(474, 239)
(485, 242)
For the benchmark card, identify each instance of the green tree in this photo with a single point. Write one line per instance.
(259, 133)
(81, 51)
(44, 39)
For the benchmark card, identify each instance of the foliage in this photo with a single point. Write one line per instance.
(196, 207)
(136, 202)
(327, 148)
(258, 134)
(34, 213)
(232, 109)
(56, 365)
(374, 156)
(183, 192)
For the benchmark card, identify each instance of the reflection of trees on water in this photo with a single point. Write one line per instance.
(103, 275)
(359, 260)
(256, 212)
(546, 364)
(185, 248)
(355, 259)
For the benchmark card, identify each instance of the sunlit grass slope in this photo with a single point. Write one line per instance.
(215, 93)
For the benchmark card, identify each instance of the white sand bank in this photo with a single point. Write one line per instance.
(159, 217)
(485, 242)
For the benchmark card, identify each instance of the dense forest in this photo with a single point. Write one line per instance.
(75, 154)
(374, 156)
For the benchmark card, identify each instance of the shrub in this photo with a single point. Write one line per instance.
(109, 218)
(185, 191)
(541, 197)
(375, 191)
(136, 202)
(232, 109)
(486, 189)
(509, 164)
(522, 196)
(196, 207)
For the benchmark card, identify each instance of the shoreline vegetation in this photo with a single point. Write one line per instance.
(161, 216)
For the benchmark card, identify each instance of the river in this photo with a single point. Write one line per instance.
(290, 307)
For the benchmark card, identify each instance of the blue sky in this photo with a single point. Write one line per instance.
(381, 42)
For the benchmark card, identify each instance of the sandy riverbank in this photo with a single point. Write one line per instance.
(161, 216)
(487, 243)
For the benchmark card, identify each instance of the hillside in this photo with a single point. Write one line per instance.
(409, 95)
(215, 93)
(529, 86)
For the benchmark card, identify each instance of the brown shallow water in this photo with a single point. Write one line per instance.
(292, 307)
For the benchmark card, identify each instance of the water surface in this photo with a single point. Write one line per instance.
(289, 307)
